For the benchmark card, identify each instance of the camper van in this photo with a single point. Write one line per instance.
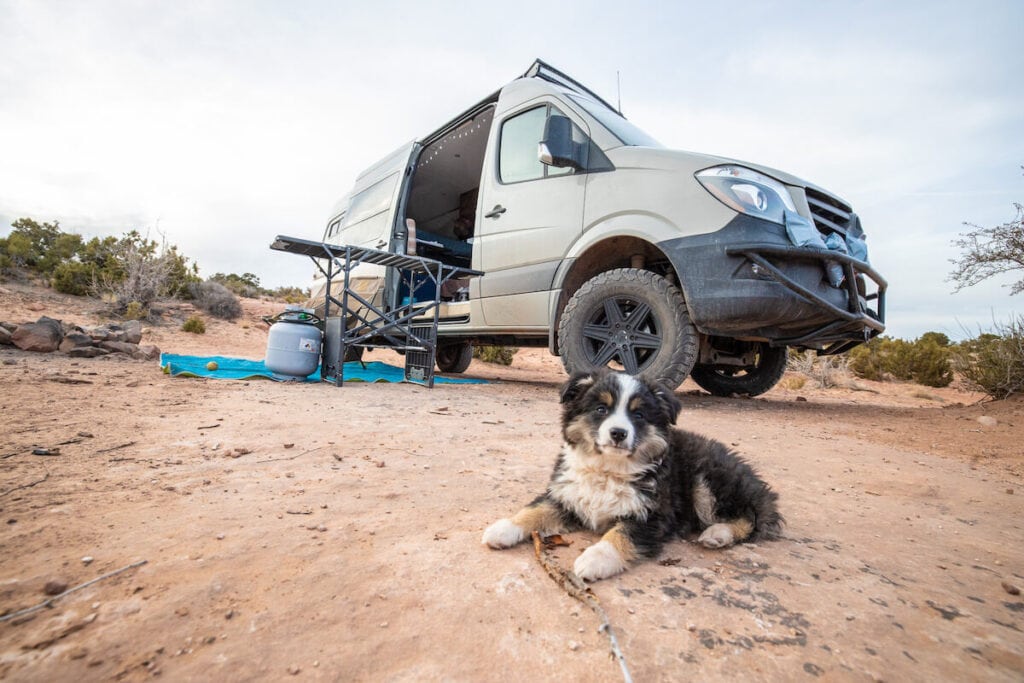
(599, 243)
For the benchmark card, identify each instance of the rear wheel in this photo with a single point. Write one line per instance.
(766, 368)
(629, 320)
(454, 358)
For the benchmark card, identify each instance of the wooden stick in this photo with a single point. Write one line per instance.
(575, 587)
(49, 601)
(25, 486)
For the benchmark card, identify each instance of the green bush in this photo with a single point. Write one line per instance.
(994, 363)
(195, 325)
(135, 311)
(216, 299)
(925, 360)
(501, 355)
(73, 277)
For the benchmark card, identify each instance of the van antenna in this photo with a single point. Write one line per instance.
(618, 86)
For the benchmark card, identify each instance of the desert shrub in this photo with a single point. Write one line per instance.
(195, 325)
(825, 371)
(290, 295)
(73, 277)
(994, 363)
(246, 284)
(135, 311)
(501, 355)
(925, 360)
(216, 299)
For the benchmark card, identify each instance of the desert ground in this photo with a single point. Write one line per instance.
(275, 531)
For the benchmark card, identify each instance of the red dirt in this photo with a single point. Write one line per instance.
(334, 533)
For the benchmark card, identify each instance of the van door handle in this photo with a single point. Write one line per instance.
(381, 244)
(495, 212)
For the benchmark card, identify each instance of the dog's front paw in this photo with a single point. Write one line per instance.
(503, 534)
(717, 536)
(599, 561)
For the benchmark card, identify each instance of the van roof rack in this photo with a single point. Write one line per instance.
(543, 70)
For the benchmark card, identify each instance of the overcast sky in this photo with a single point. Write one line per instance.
(222, 124)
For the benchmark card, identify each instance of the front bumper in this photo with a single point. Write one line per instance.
(747, 280)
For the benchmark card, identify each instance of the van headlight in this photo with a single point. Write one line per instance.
(747, 191)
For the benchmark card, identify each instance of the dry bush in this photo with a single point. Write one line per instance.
(825, 371)
(216, 299)
(994, 363)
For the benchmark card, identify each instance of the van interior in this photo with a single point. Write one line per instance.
(444, 190)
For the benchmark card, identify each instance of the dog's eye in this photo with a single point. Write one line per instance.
(601, 410)
(638, 416)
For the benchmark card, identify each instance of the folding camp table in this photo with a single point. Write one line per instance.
(410, 327)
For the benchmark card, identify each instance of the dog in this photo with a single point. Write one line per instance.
(624, 471)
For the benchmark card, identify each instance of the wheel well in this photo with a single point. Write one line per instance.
(609, 254)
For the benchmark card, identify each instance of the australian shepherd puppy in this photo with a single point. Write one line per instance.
(624, 471)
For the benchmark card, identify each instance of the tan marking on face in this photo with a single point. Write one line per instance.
(741, 529)
(635, 403)
(619, 540)
(541, 517)
(606, 398)
(578, 431)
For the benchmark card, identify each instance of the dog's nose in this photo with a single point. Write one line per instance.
(618, 434)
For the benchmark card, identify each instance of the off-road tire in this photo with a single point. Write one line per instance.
(754, 381)
(632, 320)
(454, 358)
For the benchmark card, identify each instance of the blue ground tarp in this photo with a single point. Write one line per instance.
(241, 368)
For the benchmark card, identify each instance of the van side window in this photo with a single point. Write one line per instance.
(372, 200)
(520, 135)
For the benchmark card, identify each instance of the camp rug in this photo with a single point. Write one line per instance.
(223, 367)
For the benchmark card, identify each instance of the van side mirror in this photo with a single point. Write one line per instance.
(557, 148)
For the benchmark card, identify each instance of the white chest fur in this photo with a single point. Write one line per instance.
(596, 489)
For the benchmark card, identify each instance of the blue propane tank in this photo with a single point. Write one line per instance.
(293, 344)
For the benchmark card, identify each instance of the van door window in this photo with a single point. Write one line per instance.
(520, 135)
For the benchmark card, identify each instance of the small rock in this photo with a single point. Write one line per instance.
(87, 560)
(987, 421)
(801, 399)
(1010, 588)
(573, 645)
(294, 670)
(55, 587)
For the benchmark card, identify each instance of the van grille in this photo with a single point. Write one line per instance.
(830, 214)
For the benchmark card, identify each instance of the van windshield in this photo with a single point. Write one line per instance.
(615, 123)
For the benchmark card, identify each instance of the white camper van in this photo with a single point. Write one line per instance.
(610, 249)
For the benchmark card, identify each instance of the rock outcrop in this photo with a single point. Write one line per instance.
(47, 335)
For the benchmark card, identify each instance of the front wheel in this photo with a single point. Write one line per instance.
(769, 364)
(454, 358)
(629, 320)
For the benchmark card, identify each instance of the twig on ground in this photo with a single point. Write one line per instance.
(208, 426)
(118, 447)
(25, 486)
(49, 601)
(292, 457)
(576, 588)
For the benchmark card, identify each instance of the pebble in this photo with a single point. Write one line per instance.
(573, 645)
(1010, 588)
(294, 670)
(987, 421)
(87, 560)
(54, 587)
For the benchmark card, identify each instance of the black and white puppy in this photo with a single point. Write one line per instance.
(626, 472)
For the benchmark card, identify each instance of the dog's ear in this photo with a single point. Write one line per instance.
(670, 405)
(576, 386)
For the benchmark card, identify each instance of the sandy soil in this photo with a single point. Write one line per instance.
(333, 533)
